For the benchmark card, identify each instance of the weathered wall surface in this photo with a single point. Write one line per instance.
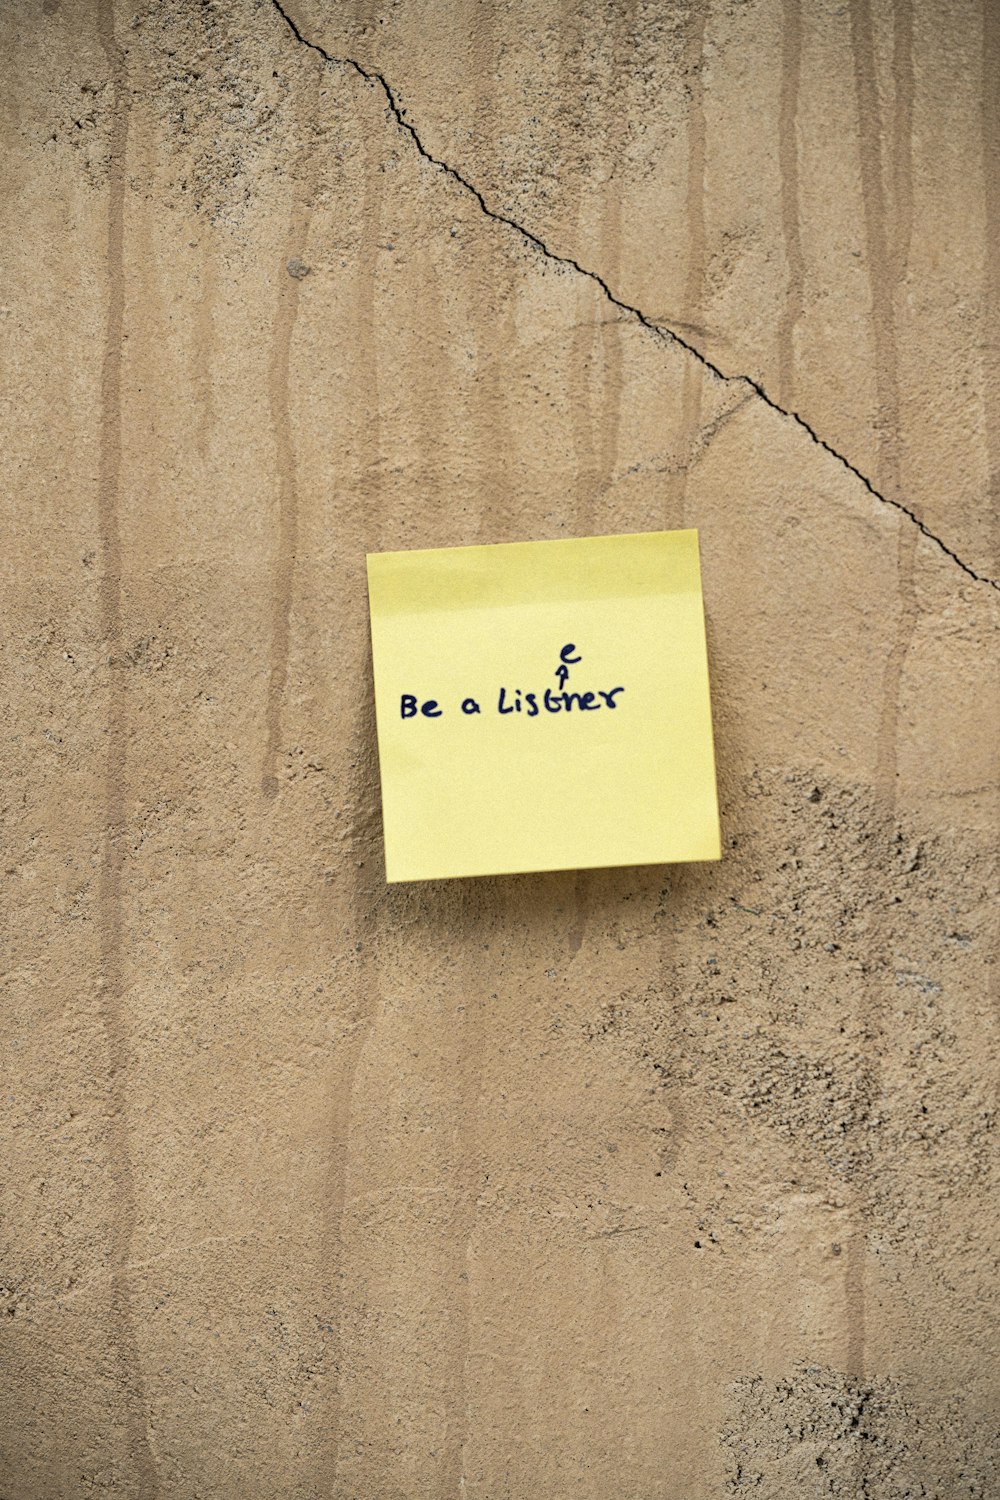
(666, 1184)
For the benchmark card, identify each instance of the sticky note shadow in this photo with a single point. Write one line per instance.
(550, 901)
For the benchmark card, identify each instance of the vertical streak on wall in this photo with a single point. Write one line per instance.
(991, 262)
(111, 882)
(694, 294)
(585, 355)
(887, 268)
(466, 1094)
(876, 233)
(869, 142)
(279, 405)
(609, 426)
(361, 806)
(459, 1417)
(580, 53)
(902, 148)
(493, 438)
(286, 543)
(788, 157)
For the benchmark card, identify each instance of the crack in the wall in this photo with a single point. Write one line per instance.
(659, 330)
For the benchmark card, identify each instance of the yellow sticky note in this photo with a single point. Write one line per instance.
(543, 706)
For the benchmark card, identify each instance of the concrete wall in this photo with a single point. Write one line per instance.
(660, 1184)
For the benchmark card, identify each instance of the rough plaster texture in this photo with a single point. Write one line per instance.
(666, 1184)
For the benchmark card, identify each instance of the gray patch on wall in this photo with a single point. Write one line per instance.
(822, 1433)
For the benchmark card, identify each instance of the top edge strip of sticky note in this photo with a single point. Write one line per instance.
(501, 573)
